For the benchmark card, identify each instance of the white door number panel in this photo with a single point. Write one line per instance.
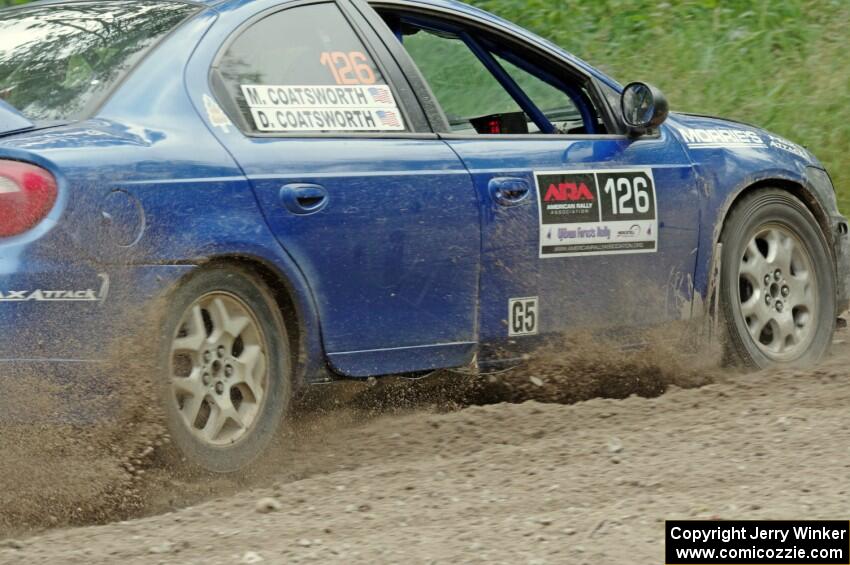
(602, 212)
(522, 316)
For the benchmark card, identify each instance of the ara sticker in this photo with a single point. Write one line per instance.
(604, 212)
(216, 115)
(522, 316)
(53, 295)
(323, 108)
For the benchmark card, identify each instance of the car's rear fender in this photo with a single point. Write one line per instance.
(131, 198)
(274, 267)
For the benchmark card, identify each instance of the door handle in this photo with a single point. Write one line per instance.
(303, 199)
(509, 191)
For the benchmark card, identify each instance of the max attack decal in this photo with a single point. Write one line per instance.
(323, 108)
(41, 295)
(715, 138)
(602, 212)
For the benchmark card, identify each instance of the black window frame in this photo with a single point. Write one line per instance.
(534, 54)
(408, 103)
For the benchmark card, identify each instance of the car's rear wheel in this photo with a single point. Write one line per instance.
(227, 367)
(777, 286)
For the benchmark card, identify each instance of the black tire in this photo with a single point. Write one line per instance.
(758, 213)
(249, 290)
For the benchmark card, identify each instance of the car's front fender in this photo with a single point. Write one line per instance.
(731, 159)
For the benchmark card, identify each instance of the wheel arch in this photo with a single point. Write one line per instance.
(295, 303)
(799, 190)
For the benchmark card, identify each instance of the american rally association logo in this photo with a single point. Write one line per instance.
(568, 192)
(42, 295)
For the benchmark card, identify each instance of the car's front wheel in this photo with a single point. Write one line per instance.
(777, 288)
(227, 368)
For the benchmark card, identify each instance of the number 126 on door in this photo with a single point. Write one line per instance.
(596, 212)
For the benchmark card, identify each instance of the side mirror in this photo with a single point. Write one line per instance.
(644, 107)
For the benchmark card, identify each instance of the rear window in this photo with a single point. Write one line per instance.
(57, 62)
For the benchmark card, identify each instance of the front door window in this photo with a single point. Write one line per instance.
(487, 88)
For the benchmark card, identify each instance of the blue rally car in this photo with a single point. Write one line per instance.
(296, 191)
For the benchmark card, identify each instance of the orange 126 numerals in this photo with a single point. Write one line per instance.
(349, 68)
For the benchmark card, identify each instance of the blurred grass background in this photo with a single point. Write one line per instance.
(779, 64)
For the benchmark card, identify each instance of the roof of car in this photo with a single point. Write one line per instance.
(48, 2)
(447, 5)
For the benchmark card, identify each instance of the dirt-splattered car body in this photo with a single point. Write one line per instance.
(399, 250)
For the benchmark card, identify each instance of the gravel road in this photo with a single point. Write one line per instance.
(509, 471)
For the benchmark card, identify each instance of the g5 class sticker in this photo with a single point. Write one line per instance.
(605, 212)
(304, 108)
(522, 316)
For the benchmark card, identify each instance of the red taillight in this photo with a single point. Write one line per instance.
(27, 194)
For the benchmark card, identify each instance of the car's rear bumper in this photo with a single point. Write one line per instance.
(79, 314)
(73, 337)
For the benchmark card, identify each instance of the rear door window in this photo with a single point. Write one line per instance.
(303, 70)
(58, 62)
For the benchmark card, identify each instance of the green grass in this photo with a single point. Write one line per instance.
(780, 64)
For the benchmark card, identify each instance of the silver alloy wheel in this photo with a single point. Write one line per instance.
(219, 369)
(778, 293)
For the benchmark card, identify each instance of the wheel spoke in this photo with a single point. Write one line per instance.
(803, 297)
(785, 328)
(754, 265)
(784, 252)
(236, 325)
(222, 412)
(189, 385)
(756, 326)
(196, 334)
(754, 306)
(218, 316)
(224, 322)
(192, 407)
(252, 363)
(215, 423)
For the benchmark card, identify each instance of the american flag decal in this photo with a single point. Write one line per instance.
(381, 95)
(389, 119)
